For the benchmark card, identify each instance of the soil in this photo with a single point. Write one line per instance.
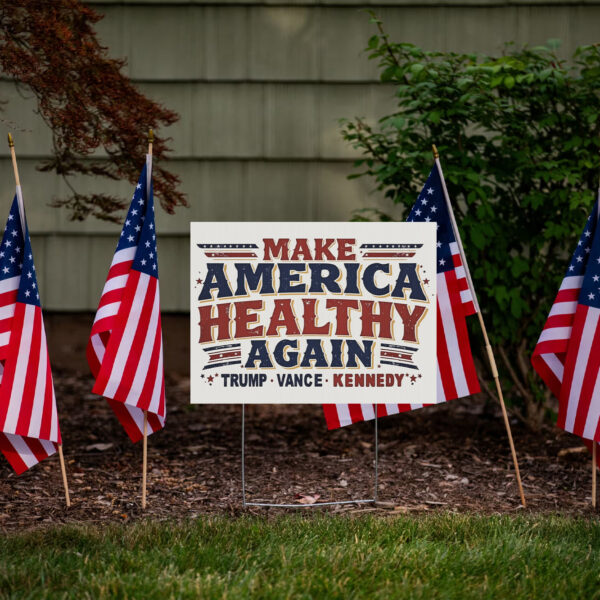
(447, 457)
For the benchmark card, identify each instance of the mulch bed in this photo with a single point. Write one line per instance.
(448, 457)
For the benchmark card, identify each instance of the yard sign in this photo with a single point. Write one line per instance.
(313, 313)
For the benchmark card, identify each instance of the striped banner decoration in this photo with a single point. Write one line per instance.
(223, 356)
(373, 251)
(229, 250)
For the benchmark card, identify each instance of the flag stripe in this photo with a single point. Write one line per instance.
(158, 392)
(591, 422)
(31, 374)
(39, 393)
(132, 344)
(583, 330)
(110, 362)
(451, 341)
(149, 350)
(14, 379)
(589, 376)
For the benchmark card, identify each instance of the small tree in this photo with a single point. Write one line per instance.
(51, 49)
(519, 138)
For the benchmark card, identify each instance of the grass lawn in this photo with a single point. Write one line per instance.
(309, 556)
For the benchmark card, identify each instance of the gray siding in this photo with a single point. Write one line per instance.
(260, 87)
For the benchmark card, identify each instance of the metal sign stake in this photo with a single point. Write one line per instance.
(333, 503)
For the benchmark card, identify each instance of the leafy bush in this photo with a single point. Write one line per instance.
(519, 139)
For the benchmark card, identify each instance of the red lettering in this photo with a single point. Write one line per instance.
(277, 249)
(370, 318)
(345, 249)
(301, 249)
(322, 251)
(244, 318)
(342, 314)
(310, 319)
(410, 320)
(283, 316)
(208, 322)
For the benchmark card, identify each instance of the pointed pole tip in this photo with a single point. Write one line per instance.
(434, 149)
(11, 142)
(150, 136)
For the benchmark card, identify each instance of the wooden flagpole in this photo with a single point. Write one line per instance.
(145, 443)
(145, 459)
(594, 471)
(11, 145)
(64, 474)
(488, 347)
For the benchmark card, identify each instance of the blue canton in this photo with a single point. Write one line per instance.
(16, 258)
(586, 261)
(139, 229)
(580, 257)
(431, 207)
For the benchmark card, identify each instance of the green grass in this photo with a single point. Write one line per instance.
(321, 556)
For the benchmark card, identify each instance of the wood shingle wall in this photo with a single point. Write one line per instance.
(259, 87)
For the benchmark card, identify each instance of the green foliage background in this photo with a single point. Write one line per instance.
(518, 136)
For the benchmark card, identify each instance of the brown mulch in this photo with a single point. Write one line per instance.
(448, 457)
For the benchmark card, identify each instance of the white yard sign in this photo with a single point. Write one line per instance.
(313, 313)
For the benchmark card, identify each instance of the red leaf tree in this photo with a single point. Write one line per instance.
(51, 49)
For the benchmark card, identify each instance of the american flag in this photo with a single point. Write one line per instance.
(125, 350)
(456, 375)
(567, 355)
(29, 429)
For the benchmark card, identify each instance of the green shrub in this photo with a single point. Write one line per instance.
(519, 139)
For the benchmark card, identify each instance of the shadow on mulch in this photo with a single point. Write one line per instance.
(447, 457)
